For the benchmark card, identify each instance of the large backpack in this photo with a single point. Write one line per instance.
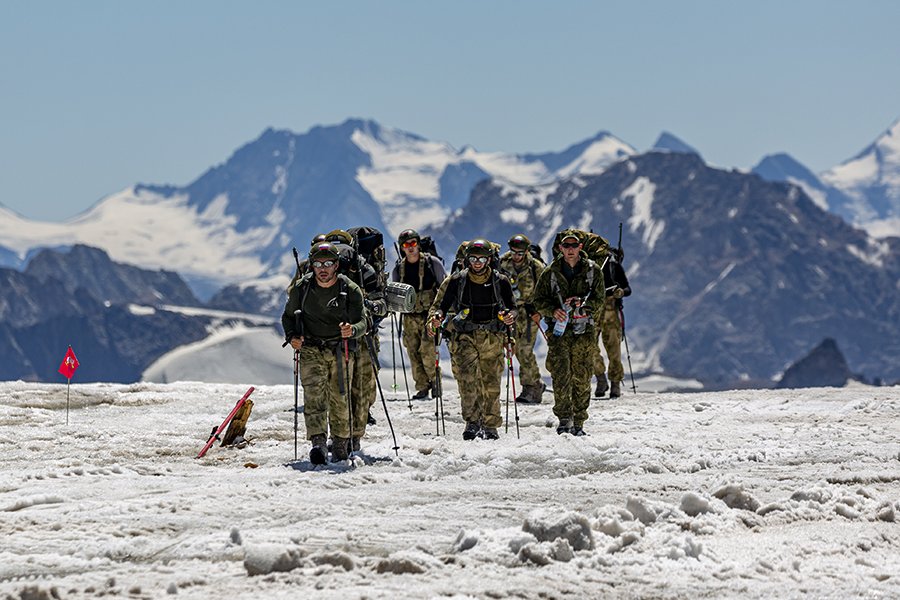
(426, 244)
(370, 245)
(594, 245)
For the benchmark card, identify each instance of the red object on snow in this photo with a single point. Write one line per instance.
(216, 431)
(69, 364)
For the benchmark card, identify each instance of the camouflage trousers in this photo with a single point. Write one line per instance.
(526, 334)
(420, 349)
(364, 385)
(323, 403)
(478, 366)
(569, 360)
(611, 334)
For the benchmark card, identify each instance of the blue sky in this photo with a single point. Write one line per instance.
(99, 95)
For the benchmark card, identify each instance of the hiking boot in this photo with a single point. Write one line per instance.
(340, 449)
(355, 444)
(532, 394)
(472, 431)
(577, 431)
(490, 433)
(318, 454)
(565, 426)
(602, 386)
(370, 420)
(422, 394)
(614, 389)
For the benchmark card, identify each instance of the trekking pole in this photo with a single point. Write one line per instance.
(296, 396)
(510, 377)
(370, 344)
(394, 357)
(347, 386)
(438, 388)
(627, 351)
(403, 362)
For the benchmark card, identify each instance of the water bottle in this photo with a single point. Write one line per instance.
(559, 327)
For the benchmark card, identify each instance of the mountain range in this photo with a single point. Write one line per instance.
(736, 274)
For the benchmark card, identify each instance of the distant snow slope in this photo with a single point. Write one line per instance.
(146, 229)
(750, 494)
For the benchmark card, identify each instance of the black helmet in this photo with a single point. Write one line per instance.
(519, 242)
(480, 247)
(324, 250)
(408, 234)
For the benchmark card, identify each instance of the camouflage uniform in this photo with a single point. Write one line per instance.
(523, 280)
(477, 340)
(570, 356)
(323, 309)
(419, 346)
(611, 334)
(611, 327)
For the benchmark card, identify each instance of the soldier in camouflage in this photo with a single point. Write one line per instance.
(324, 310)
(523, 269)
(482, 301)
(611, 330)
(425, 273)
(569, 292)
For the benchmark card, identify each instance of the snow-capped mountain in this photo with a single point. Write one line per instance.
(872, 180)
(784, 167)
(734, 277)
(239, 220)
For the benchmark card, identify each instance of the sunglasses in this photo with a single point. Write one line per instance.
(478, 259)
(570, 244)
(521, 253)
(410, 243)
(322, 264)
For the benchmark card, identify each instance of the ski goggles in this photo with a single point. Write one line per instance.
(411, 243)
(481, 260)
(570, 244)
(323, 264)
(518, 253)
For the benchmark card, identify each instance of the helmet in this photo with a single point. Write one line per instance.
(339, 236)
(324, 250)
(519, 242)
(319, 238)
(479, 247)
(408, 234)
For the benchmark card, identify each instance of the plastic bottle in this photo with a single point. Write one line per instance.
(559, 327)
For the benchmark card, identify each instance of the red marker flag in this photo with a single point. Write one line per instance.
(69, 364)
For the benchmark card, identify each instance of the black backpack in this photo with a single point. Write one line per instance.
(370, 245)
(426, 244)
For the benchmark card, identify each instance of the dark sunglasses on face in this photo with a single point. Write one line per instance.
(519, 253)
(478, 259)
(410, 243)
(322, 264)
(570, 244)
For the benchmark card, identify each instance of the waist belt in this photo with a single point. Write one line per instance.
(330, 345)
(468, 327)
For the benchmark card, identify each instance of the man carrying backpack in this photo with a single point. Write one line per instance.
(523, 269)
(425, 273)
(568, 293)
(482, 300)
(611, 330)
(323, 318)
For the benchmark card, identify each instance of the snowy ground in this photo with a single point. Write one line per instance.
(728, 494)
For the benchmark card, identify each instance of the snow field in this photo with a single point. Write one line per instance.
(783, 493)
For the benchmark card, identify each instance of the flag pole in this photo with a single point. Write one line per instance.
(68, 382)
